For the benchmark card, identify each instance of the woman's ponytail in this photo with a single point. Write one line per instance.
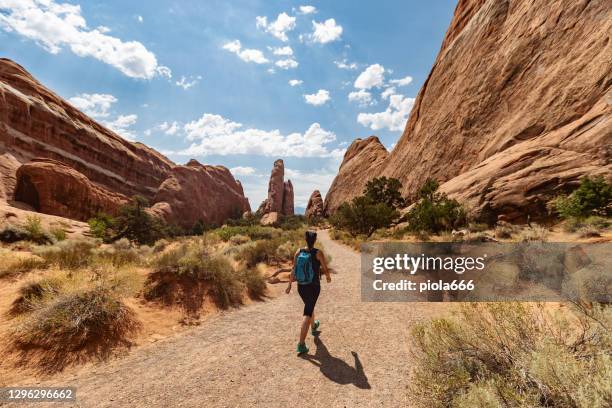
(311, 238)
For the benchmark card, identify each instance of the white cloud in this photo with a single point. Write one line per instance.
(372, 76)
(393, 118)
(242, 171)
(317, 99)
(121, 125)
(140, 19)
(186, 84)
(362, 97)
(295, 82)
(308, 9)
(55, 26)
(402, 81)
(94, 105)
(278, 28)
(247, 55)
(214, 134)
(282, 51)
(307, 182)
(169, 128)
(326, 32)
(388, 92)
(164, 71)
(287, 63)
(344, 64)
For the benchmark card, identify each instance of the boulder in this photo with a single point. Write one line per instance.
(271, 218)
(516, 109)
(196, 192)
(314, 208)
(51, 187)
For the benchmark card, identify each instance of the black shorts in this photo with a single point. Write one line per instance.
(309, 294)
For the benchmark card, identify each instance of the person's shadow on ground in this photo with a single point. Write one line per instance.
(336, 369)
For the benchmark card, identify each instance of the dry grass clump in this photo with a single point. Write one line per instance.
(33, 293)
(12, 264)
(533, 233)
(68, 254)
(597, 223)
(239, 239)
(505, 230)
(514, 354)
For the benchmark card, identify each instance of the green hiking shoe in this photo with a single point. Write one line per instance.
(301, 348)
(315, 328)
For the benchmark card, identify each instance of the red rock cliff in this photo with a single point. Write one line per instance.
(516, 108)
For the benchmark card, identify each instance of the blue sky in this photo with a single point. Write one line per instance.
(237, 83)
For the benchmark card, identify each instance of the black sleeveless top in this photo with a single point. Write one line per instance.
(316, 265)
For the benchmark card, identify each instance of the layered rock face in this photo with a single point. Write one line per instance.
(36, 123)
(59, 161)
(199, 192)
(280, 199)
(362, 158)
(53, 188)
(314, 208)
(516, 108)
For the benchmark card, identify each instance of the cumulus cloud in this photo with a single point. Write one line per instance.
(242, 171)
(282, 51)
(287, 63)
(317, 99)
(327, 31)
(121, 125)
(402, 81)
(393, 118)
(94, 105)
(308, 182)
(308, 9)
(295, 82)
(388, 92)
(214, 134)
(140, 19)
(188, 83)
(278, 28)
(247, 55)
(169, 128)
(344, 64)
(55, 26)
(372, 76)
(362, 97)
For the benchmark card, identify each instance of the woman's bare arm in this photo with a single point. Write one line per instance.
(292, 276)
(321, 258)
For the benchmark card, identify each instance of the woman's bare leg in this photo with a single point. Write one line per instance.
(312, 320)
(304, 330)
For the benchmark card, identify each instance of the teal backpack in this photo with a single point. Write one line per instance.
(304, 273)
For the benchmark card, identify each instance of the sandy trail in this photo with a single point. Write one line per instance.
(246, 358)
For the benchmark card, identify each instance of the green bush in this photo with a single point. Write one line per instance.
(514, 354)
(385, 190)
(135, 224)
(592, 197)
(254, 232)
(102, 226)
(435, 212)
(292, 222)
(254, 282)
(260, 251)
(363, 216)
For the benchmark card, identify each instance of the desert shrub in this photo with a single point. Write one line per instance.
(477, 227)
(385, 190)
(135, 224)
(347, 239)
(589, 231)
(102, 226)
(160, 245)
(254, 281)
(119, 253)
(12, 233)
(593, 222)
(58, 233)
(592, 197)
(68, 254)
(33, 226)
(504, 230)
(363, 216)
(514, 354)
(292, 222)
(435, 212)
(239, 239)
(12, 264)
(32, 294)
(533, 233)
(315, 221)
(260, 251)
(255, 232)
(198, 228)
(75, 320)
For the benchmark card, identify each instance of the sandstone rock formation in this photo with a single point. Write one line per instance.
(515, 110)
(199, 192)
(53, 188)
(36, 123)
(59, 161)
(363, 157)
(280, 199)
(314, 208)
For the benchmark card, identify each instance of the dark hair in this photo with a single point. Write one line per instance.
(311, 237)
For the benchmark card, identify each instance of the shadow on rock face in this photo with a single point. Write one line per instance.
(336, 369)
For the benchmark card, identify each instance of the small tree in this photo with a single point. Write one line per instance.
(435, 212)
(385, 190)
(102, 226)
(593, 197)
(137, 224)
(363, 216)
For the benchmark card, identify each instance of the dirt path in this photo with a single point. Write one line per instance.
(245, 358)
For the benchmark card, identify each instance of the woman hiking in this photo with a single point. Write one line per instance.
(307, 264)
